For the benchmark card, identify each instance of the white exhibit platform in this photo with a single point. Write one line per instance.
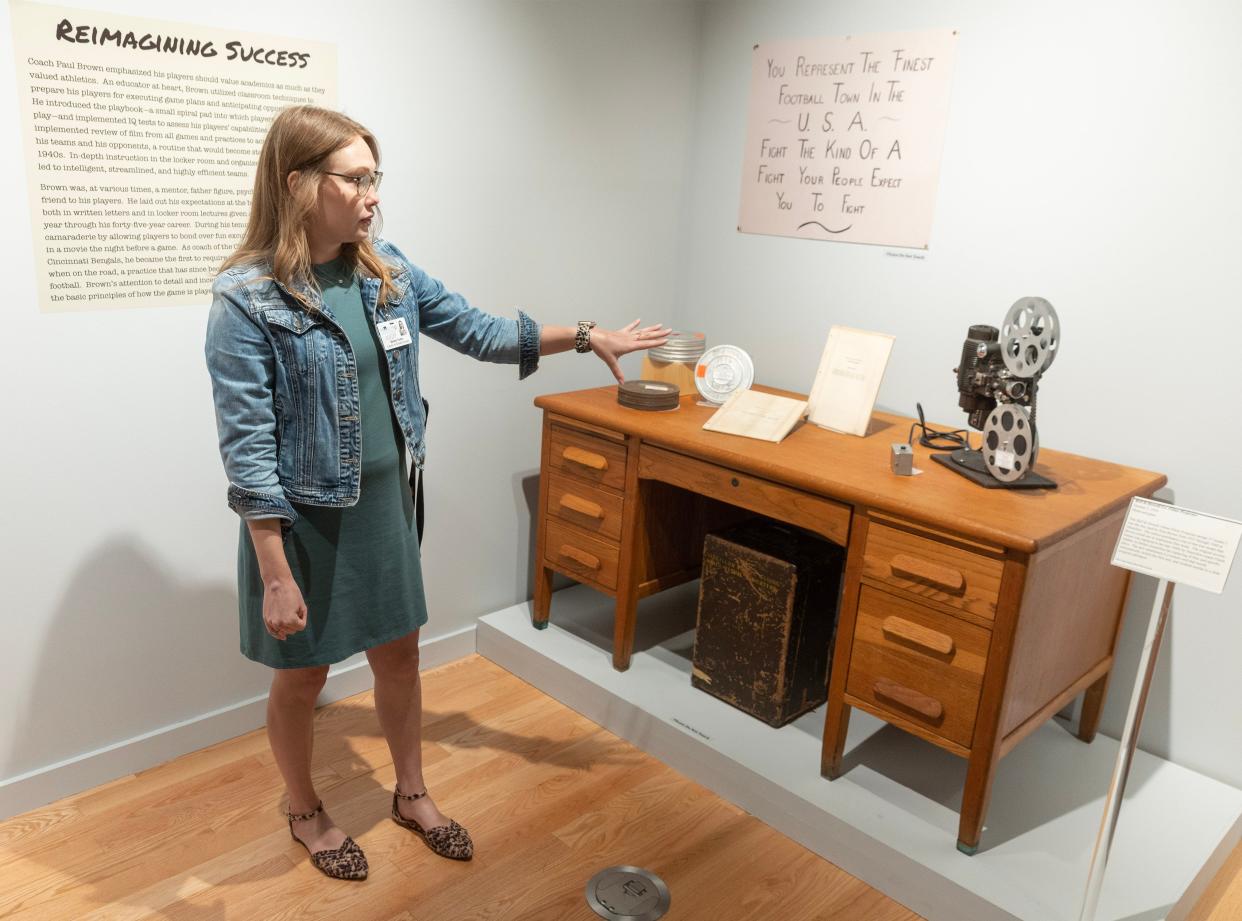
(891, 819)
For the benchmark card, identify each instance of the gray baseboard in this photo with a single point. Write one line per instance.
(128, 756)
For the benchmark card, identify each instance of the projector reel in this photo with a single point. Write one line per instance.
(1010, 443)
(1029, 337)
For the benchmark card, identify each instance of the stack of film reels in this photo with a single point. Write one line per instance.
(653, 396)
(718, 373)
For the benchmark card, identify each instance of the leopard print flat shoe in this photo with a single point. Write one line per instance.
(344, 862)
(449, 840)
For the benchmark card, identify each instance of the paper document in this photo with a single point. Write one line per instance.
(756, 415)
(1173, 543)
(848, 379)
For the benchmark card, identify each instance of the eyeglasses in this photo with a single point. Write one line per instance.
(363, 183)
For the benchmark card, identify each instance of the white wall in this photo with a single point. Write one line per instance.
(1091, 158)
(533, 154)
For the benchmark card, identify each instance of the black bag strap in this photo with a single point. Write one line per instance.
(416, 483)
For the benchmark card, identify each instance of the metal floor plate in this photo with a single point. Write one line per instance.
(628, 893)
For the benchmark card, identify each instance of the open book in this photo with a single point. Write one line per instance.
(848, 379)
(756, 415)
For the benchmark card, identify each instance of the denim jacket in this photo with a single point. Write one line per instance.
(285, 380)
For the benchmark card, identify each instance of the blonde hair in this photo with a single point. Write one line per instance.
(301, 138)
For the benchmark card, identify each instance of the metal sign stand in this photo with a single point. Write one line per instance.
(1129, 741)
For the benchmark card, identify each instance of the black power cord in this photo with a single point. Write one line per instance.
(938, 439)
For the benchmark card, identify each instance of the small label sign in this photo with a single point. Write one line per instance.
(1183, 546)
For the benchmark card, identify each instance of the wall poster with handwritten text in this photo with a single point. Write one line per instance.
(141, 139)
(844, 137)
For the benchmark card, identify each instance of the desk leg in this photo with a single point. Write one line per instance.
(1093, 698)
(543, 596)
(1092, 707)
(623, 629)
(836, 727)
(629, 564)
(979, 775)
(542, 603)
(985, 746)
(837, 718)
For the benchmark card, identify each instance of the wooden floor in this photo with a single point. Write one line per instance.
(549, 797)
(1223, 899)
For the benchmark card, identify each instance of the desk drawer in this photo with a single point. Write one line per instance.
(933, 569)
(589, 507)
(784, 503)
(918, 663)
(579, 556)
(588, 457)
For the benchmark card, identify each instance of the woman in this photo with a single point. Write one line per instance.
(312, 345)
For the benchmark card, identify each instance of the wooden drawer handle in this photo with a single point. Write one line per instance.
(581, 557)
(902, 630)
(910, 699)
(588, 459)
(910, 567)
(582, 506)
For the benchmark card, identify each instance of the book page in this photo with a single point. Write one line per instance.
(848, 379)
(756, 415)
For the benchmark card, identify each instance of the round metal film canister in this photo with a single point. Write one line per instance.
(680, 347)
(722, 370)
(627, 894)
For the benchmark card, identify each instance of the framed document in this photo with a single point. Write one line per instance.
(848, 379)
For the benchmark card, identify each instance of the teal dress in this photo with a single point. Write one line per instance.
(358, 567)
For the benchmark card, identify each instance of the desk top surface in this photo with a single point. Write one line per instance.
(856, 470)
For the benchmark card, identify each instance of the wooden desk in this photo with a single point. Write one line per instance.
(969, 616)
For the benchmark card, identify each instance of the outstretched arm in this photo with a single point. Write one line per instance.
(608, 344)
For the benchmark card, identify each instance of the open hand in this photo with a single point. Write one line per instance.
(610, 344)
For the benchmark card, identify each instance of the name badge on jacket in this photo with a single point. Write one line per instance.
(394, 333)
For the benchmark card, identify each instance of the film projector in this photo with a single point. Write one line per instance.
(998, 381)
